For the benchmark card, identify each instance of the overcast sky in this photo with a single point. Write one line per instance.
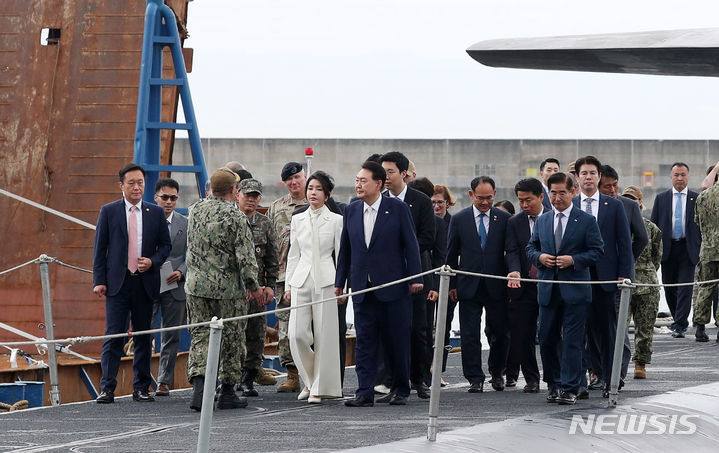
(398, 69)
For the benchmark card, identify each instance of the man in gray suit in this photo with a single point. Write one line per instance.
(172, 302)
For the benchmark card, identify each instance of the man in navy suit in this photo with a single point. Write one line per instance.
(131, 243)
(547, 168)
(565, 243)
(523, 309)
(616, 263)
(378, 246)
(476, 244)
(673, 213)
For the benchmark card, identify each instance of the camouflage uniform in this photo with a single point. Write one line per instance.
(221, 266)
(645, 300)
(280, 213)
(265, 240)
(706, 215)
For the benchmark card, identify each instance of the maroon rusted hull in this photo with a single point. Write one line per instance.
(67, 116)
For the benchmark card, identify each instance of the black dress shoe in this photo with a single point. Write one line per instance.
(679, 333)
(596, 384)
(385, 399)
(583, 394)
(198, 387)
(497, 383)
(422, 391)
(511, 382)
(359, 401)
(532, 387)
(701, 334)
(605, 393)
(106, 397)
(552, 395)
(566, 398)
(398, 400)
(142, 396)
(621, 385)
(476, 387)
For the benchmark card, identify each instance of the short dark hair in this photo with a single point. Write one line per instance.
(482, 180)
(424, 185)
(378, 173)
(529, 185)
(506, 205)
(560, 178)
(587, 160)
(325, 180)
(244, 174)
(608, 171)
(128, 168)
(399, 159)
(679, 164)
(167, 182)
(376, 157)
(548, 160)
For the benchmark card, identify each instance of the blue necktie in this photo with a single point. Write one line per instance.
(482, 232)
(677, 232)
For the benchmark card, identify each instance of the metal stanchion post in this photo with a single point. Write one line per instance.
(619, 343)
(49, 328)
(208, 396)
(444, 275)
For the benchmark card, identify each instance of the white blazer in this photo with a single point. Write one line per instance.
(311, 255)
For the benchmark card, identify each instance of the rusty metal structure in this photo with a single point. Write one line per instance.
(69, 74)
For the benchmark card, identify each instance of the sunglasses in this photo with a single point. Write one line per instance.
(166, 197)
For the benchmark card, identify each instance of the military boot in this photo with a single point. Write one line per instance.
(292, 384)
(639, 371)
(264, 378)
(198, 387)
(248, 377)
(228, 399)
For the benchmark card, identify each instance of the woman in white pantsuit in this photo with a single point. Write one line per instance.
(313, 331)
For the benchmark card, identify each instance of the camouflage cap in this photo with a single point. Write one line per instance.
(632, 192)
(248, 186)
(222, 180)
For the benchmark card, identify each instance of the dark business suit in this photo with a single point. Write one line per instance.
(420, 206)
(464, 252)
(392, 254)
(616, 261)
(451, 305)
(438, 256)
(523, 309)
(679, 256)
(127, 294)
(171, 303)
(563, 308)
(546, 203)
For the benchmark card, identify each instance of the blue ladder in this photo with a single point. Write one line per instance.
(161, 31)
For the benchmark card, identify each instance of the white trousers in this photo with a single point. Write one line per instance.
(314, 340)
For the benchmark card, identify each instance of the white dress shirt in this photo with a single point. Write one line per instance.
(399, 195)
(476, 213)
(169, 220)
(565, 219)
(370, 215)
(685, 198)
(138, 217)
(595, 204)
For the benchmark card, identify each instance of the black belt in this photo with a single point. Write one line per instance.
(679, 240)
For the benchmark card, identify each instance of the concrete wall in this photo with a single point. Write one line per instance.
(455, 162)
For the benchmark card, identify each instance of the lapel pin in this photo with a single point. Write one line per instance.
(691, 199)
(605, 203)
(495, 218)
(147, 209)
(386, 212)
(576, 220)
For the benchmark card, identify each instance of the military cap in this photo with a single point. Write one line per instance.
(251, 186)
(290, 169)
(222, 180)
(632, 192)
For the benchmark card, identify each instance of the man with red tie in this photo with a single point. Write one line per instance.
(131, 243)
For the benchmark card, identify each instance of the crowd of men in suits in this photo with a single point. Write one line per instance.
(571, 226)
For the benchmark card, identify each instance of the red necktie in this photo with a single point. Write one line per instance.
(132, 241)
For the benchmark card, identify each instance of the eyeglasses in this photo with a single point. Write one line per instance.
(166, 197)
(439, 202)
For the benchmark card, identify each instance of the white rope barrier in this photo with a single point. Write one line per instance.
(6, 271)
(45, 208)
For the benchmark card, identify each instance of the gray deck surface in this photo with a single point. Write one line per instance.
(278, 422)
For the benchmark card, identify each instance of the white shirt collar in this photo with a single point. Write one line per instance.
(594, 197)
(477, 212)
(169, 218)
(566, 212)
(400, 195)
(685, 191)
(128, 204)
(374, 205)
